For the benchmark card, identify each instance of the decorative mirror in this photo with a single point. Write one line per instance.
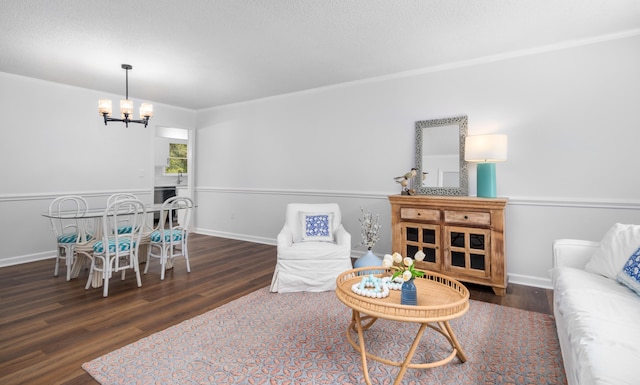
(442, 169)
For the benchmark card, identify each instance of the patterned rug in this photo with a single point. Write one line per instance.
(299, 338)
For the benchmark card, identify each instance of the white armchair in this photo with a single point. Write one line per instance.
(313, 249)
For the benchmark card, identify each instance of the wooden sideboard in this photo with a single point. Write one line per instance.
(462, 237)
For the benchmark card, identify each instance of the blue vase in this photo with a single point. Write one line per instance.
(369, 259)
(408, 293)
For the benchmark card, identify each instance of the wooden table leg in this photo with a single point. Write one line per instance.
(454, 341)
(363, 352)
(442, 327)
(412, 350)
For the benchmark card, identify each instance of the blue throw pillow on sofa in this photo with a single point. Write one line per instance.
(630, 274)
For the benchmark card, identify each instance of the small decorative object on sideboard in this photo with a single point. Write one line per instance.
(406, 180)
(404, 267)
(370, 227)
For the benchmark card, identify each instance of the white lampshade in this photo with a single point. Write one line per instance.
(104, 106)
(146, 109)
(485, 148)
(126, 107)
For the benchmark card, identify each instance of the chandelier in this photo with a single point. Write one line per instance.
(126, 107)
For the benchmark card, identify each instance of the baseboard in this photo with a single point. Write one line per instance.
(20, 259)
(266, 241)
(239, 237)
(527, 280)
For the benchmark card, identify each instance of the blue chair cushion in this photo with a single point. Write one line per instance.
(68, 238)
(125, 229)
(123, 245)
(71, 238)
(169, 236)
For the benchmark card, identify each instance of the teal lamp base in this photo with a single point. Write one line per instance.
(486, 179)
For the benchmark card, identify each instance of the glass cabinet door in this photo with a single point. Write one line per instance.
(425, 237)
(467, 251)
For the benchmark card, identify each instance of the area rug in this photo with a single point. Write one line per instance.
(299, 338)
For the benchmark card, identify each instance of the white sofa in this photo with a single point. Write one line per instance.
(597, 318)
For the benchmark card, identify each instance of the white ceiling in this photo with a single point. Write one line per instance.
(203, 53)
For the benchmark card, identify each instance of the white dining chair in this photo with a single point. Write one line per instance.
(120, 197)
(67, 231)
(170, 238)
(117, 252)
(123, 226)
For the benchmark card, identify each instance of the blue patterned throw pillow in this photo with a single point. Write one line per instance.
(630, 274)
(317, 227)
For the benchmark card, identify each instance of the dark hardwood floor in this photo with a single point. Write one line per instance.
(49, 327)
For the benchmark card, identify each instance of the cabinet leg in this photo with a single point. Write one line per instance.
(501, 291)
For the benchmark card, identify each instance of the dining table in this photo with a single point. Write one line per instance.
(93, 221)
(94, 213)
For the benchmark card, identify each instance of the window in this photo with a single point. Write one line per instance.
(177, 158)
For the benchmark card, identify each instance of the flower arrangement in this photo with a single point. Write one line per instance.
(370, 226)
(403, 266)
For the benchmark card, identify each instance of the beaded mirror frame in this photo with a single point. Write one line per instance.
(463, 187)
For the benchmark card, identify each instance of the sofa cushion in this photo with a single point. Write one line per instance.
(615, 248)
(630, 274)
(600, 318)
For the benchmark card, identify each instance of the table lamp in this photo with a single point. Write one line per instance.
(486, 150)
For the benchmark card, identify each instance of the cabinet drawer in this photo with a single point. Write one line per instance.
(419, 214)
(467, 217)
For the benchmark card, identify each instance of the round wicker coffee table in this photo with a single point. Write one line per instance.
(440, 299)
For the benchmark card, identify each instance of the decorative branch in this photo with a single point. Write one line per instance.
(369, 228)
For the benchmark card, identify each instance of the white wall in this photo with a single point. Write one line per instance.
(568, 114)
(572, 147)
(55, 143)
